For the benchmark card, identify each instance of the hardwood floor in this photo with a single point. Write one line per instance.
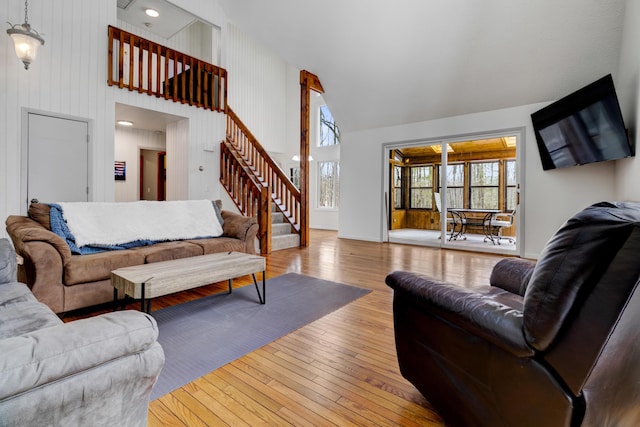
(339, 370)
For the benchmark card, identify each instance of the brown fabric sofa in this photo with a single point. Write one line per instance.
(65, 281)
(551, 343)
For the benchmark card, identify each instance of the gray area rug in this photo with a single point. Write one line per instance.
(202, 335)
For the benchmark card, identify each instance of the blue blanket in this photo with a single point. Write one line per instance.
(59, 226)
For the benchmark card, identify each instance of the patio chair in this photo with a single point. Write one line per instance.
(495, 225)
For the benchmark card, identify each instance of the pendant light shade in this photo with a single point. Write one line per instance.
(26, 40)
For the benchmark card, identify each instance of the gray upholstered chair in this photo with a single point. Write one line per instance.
(91, 372)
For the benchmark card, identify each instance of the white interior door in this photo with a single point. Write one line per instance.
(57, 155)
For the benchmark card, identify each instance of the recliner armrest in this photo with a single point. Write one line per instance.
(469, 310)
(54, 353)
(512, 274)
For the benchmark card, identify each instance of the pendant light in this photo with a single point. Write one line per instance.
(25, 39)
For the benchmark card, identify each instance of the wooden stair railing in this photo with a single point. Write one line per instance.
(139, 64)
(284, 194)
(250, 197)
(252, 178)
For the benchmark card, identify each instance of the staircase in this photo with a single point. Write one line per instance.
(252, 178)
(259, 187)
(282, 234)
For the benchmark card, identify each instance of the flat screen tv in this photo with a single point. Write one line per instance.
(583, 127)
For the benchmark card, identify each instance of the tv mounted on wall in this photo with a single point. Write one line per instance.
(583, 127)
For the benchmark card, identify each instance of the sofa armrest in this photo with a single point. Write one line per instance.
(59, 352)
(512, 274)
(240, 227)
(476, 313)
(22, 229)
(8, 262)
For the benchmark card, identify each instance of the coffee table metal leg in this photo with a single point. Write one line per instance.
(263, 297)
(230, 285)
(115, 299)
(142, 297)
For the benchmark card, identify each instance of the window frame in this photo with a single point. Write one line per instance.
(450, 187)
(484, 186)
(428, 188)
(401, 188)
(322, 124)
(335, 186)
(508, 186)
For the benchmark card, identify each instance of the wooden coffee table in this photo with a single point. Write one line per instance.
(148, 281)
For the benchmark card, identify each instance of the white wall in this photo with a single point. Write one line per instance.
(628, 88)
(68, 77)
(258, 89)
(128, 143)
(549, 197)
(322, 218)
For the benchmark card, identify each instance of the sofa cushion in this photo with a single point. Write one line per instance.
(15, 293)
(39, 212)
(95, 267)
(166, 251)
(8, 267)
(217, 207)
(25, 317)
(219, 244)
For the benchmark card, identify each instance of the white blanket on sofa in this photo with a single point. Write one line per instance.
(105, 223)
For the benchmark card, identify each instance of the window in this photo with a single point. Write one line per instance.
(484, 185)
(294, 176)
(398, 190)
(421, 187)
(329, 132)
(511, 196)
(328, 184)
(455, 185)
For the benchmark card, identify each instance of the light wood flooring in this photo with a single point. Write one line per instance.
(339, 370)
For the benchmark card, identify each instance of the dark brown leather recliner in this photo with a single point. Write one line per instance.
(552, 343)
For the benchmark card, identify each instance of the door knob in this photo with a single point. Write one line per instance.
(34, 201)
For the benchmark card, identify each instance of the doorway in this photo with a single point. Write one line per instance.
(153, 175)
(457, 193)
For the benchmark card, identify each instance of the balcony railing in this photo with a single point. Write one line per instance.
(138, 64)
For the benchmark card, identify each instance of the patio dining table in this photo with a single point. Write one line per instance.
(462, 218)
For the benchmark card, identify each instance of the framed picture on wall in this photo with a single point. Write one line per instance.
(120, 171)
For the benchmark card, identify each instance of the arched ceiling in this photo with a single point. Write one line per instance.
(385, 63)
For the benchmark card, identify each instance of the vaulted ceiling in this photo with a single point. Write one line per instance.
(385, 63)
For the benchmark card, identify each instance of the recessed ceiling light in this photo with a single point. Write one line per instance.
(125, 123)
(152, 13)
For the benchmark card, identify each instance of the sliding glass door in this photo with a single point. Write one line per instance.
(458, 193)
(479, 181)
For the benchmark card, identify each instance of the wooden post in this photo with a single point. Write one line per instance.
(308, 82)
(264, 226)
